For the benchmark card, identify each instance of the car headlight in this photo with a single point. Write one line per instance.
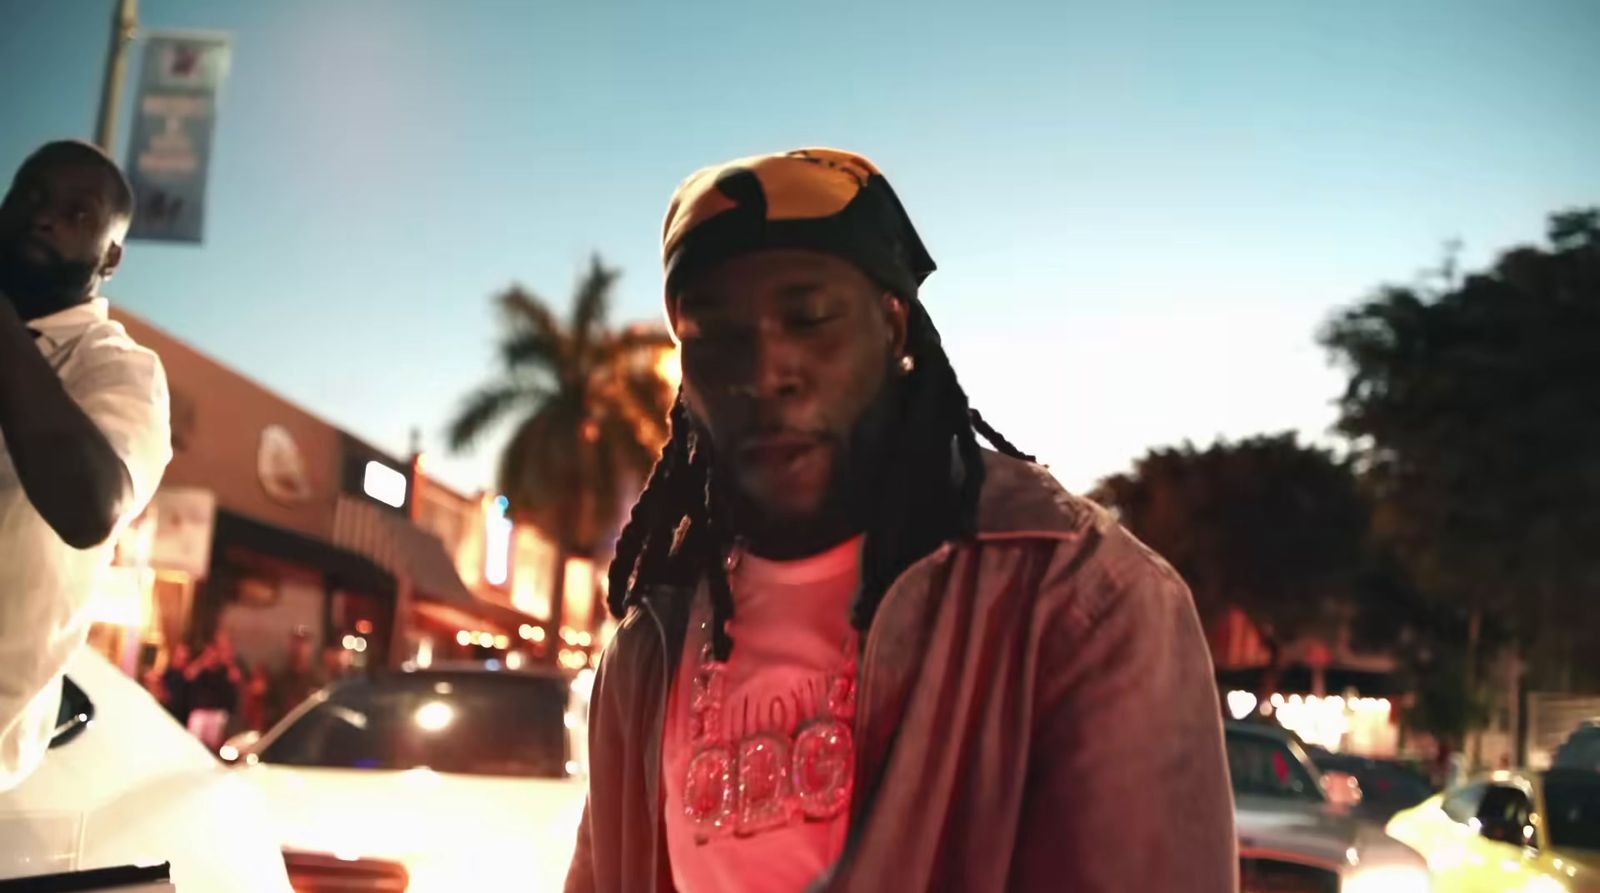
(1388, 879)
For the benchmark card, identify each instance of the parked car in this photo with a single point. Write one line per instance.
(1581, 750)
(124, 785)
(1294, 837)
(425, 781)
(1534, 831)
(1387, 786)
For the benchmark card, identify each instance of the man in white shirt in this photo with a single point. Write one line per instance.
(84, 427)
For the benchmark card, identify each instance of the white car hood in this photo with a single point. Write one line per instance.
(441, 826)
(135, 788)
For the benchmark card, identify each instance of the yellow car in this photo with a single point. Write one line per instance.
(1536, 832)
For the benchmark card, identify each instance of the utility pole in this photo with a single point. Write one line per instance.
(124, 22)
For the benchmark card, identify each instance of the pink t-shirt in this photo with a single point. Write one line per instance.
(781, 776)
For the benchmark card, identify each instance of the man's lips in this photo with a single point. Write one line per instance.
(777, 449)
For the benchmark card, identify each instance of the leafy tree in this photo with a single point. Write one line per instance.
(1271, 526)
(590, 409)
(1429, 641)
(1474, 410)
(1442, 707)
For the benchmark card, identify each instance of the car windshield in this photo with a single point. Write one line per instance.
(1581, 751)
(1383, 783)
(1572, 808)
(1266, 766)
(475, 724)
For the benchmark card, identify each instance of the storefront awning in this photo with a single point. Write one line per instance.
(485, 615)
(347, 566)
(398, 546)
(406, 550)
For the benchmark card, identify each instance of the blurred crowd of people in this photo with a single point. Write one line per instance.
(217, 695)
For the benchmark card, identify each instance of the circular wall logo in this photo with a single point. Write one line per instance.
(281, 467)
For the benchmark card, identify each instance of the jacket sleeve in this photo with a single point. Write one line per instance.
(602, 730)
(580, 876)
(1127, 784)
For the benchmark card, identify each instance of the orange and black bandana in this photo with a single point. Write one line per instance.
(819, 199)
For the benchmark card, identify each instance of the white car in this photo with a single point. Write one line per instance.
(1294, 837)
(425, 781)
(124, 785)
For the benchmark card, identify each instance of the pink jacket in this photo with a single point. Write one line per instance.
(1036, 712)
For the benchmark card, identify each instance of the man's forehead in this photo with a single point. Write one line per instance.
(66, 174)
(769, 276)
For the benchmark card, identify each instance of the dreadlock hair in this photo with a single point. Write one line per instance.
(928, 494)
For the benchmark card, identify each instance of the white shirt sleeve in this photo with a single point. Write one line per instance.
(122, 388)
(47, 586)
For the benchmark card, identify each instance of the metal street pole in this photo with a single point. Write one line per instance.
(124, 22)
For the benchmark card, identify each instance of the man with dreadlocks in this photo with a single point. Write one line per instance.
(858, 651)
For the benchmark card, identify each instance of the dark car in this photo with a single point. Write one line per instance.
(1582, 749)
(1387, 786)
(425, 778)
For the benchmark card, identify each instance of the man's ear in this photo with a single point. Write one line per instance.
(113, 259)
(897, 312)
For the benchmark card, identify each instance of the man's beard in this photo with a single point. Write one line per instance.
(38, 289)
(851, 503)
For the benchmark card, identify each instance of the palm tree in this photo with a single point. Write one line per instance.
(591, 410)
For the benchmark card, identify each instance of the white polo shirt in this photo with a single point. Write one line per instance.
(45, 584)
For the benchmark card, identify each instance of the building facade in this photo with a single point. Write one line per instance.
(273, 525)
(509, 565)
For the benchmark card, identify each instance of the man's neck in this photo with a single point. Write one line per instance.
(777, 540)
(29, 309)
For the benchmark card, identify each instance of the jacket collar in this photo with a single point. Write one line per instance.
(1021, 499)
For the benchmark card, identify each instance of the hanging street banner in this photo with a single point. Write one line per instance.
(174, 117)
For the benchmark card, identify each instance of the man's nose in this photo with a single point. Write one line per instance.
(43, 219)
(775, 371)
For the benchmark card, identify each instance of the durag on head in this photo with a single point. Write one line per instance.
(824, 200)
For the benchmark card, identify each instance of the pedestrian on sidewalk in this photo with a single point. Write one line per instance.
(255, 700)
(175, 684)
(859, 651)
(214, 682)
(298, 680)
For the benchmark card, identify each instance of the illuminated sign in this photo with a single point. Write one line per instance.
(385, 484)
(497, 543)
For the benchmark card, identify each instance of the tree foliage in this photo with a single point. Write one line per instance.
(1267, 524)
(1475, 412)
(590, 411)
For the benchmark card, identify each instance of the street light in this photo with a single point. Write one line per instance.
(124, 24)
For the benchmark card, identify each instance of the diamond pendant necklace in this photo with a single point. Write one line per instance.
(767, 780)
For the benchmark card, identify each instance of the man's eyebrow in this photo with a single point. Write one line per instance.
(96, 198)
(696, 302)
(711, 301)
(796, 291)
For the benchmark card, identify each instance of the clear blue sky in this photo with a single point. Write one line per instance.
(1141, 213)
